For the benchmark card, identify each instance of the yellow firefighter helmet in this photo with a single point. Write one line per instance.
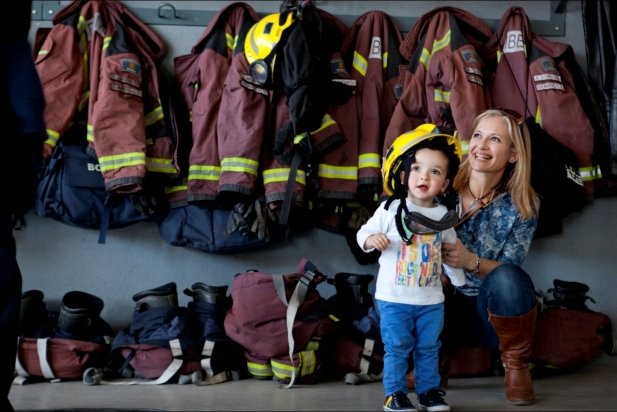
(261, 40)
(401, 148)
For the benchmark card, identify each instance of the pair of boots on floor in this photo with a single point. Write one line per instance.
(515, 344)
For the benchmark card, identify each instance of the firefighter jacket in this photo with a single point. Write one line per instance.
(252, 118)
(200, 76)
(98, 67)
(372, 51)
(445, 84)
(534, 76)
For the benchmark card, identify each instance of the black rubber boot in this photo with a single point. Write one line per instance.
(162, 296)
(202, 293)
(33, 313)
(79, 313)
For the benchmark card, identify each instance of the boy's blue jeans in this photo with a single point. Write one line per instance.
(409, 329)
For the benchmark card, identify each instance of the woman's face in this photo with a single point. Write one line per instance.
(490, 146)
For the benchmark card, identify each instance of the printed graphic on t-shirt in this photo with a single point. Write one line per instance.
(419, 264)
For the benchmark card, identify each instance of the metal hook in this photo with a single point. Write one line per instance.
(175, 15)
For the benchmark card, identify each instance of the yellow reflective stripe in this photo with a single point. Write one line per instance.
(282, 175)
(308, 363)
(465, 147)
(240, 165)
(115, 162)
(338, 172)
(499, 54)
(43, 52)
(590, 173)
(154, 116)
(175, 189)
(442, 43)
(442, 96)
(312, 344)
(298, 138)
(359, 63)
(326, 121)
(369, 160)
(231, 41)
(90, 132)
(425, 57)
(106, 42)
(385, 60)
(52, 138)
(159, 165)
(197, 172)
(259, 369)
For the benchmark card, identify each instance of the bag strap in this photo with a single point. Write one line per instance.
(93, 376)
(296, 299)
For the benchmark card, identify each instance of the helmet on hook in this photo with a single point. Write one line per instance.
(260, 44)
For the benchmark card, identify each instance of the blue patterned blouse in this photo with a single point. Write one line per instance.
(496, 232)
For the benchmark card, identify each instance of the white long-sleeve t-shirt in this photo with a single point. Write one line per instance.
(410, 273)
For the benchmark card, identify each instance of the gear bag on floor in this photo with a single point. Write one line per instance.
(60, 347)
(283, 323)
(166, 342)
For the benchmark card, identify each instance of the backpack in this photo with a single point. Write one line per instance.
(73, 191)
(568, 334)
(358, 351)
(282, 322)
(166, 342)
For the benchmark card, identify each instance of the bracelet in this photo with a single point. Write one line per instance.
(476, 268)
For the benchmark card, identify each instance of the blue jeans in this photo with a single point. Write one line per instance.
(406, 329)
(505, 291)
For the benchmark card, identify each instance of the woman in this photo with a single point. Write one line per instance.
(496, 308)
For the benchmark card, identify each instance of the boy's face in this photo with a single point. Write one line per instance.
(427, 176)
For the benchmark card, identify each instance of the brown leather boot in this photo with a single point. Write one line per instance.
(515, 343)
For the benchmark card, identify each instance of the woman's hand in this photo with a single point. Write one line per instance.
(457, 255)
(377, 241)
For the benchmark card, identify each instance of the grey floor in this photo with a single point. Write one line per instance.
(592, 388)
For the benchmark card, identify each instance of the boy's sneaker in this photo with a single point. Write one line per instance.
(432, 401)
(398, 401)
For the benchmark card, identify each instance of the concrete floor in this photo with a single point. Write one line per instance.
(592, 388)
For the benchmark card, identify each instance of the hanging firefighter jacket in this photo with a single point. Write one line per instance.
(371, 48)
(311, 142)
(99, 70)
(199, 76)
(446, 82)
(538, 78)
(600, 37)
(252, 113)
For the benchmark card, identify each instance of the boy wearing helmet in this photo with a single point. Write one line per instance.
(408, 230)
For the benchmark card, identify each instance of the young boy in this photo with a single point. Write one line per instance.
(408, 229)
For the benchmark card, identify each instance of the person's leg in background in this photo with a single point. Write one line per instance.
(10, 301)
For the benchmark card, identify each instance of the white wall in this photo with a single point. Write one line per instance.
(57, 258)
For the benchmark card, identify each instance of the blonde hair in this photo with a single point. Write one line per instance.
(516, 179)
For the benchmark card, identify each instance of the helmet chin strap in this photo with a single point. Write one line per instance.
(406, 220)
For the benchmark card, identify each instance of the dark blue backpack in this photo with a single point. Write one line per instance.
(73, 191)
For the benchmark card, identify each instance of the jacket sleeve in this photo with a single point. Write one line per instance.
(60, 69)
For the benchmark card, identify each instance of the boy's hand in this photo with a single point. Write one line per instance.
(377, 241)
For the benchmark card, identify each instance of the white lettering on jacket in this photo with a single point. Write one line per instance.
(514, 42)
(375, 52)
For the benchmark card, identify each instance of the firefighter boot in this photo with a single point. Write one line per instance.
(33, 313)
(202, 293)
(353, 288)
(162, 296)
(79, 313)
(515, 343)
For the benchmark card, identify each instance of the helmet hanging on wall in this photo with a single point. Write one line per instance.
(402, 147)
(260, 44)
